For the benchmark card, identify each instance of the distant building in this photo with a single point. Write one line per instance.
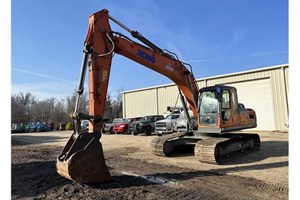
(265, 90)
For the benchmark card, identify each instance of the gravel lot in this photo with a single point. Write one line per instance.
(138, 174)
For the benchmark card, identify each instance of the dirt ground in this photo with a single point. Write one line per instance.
(138, 174)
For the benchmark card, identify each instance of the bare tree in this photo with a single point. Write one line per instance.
(108, 109)
(41, 110)
(21, 107)
(118, 104)
(25, 108)
(113, 107)
(82, 106)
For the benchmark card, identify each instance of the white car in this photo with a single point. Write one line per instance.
(166, 125)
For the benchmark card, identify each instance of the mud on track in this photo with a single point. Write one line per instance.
(34, 177)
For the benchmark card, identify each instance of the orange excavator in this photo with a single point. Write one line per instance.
(216, 107)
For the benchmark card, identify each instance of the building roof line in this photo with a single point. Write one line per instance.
(213, 77)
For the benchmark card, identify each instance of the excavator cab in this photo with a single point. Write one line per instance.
(219, 110)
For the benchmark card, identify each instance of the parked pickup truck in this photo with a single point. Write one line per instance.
(145, 125)
(182, 122)
(166, 125)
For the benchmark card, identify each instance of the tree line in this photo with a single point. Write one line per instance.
(26, 108)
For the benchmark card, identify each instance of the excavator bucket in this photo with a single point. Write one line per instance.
(82, 160)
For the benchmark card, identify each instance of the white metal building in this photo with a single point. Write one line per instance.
(265, 90)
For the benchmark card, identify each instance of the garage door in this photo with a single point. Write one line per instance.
(257, 95)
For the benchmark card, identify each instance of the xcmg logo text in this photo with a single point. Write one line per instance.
(146, 56)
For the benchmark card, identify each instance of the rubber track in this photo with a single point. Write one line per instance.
(158, 144)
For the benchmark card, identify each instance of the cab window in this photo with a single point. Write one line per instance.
(225, 99)
(226, 111)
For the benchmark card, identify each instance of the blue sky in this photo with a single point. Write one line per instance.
(215, 37)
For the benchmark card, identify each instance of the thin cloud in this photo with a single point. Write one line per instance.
(266, 53)
(44, 90)
(238, 36)
(42, 75)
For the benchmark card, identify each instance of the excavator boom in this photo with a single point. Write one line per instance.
(104, 42)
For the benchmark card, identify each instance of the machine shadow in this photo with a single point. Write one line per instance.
(40, 175)
(43, 177)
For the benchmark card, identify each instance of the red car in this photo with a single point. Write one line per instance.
(120, 127)
(123, 126)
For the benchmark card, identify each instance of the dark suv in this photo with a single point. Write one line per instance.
(145, 125)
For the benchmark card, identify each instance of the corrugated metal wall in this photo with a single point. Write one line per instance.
(155, 100)
(138, 104)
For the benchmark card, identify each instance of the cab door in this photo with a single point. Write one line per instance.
(236, 117)
(230, 115)
(226, 112)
